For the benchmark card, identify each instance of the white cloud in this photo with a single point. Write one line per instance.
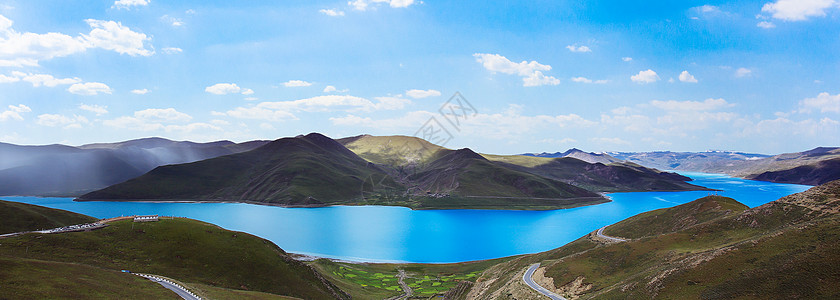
(8, 79)
(97, 109)
(364, 4)
(582, 49)
(54, 120)
(14, 111)
(627, 58)
(798, 10)
(587, 80)
(227, 88)
(172, 50)
(419, 94)
(648, 76)
(127, 4)
(708, 9)
(110, 35)
(330, 89)
(687, 77)
(46, 80)
(824, 102)
(89, 88)
(332, 12)
(140, 91)
(743, 72)
(296, 83)
(155, 119)
(284, 110)
(706, 105)
(172, 20)
(531, 72)
(162, 115)
(251, 98)
(765, 25)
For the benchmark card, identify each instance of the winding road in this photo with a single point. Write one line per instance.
(600, 234)
(181, 291)
(530, 282)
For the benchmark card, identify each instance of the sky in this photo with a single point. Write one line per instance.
(499, 77)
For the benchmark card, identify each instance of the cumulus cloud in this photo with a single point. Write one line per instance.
(365, 4)
(627, 58)
(587, 80)
(227, 88)
(574, 48)
(743, 72)
(97, 109)
(44, 79)
(296, 83)
(332, 12)
(13, 112)
(419, 94)
(766, 25)
(687, 77)
(54, 120)
(140, 91)
(159, 119)
(172, 50)
(110, 35)
(172, 21)
(26, 49)
(798, 10)
(128, 4)
(531, 72)
(824, 102)
(89, 89)
(648, 76)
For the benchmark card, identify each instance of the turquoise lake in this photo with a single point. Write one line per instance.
(397, 234)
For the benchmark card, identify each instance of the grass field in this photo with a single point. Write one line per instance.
(183, 249)
(378, 281)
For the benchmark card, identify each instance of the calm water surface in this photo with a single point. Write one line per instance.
(397, 234)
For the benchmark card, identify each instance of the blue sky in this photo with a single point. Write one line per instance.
(754, 76)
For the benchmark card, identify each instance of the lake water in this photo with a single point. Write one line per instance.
(397, 234)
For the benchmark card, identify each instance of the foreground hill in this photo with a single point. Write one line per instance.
(87, 264)
(17, 217)
(712, 248)
(812, 167)
(64, 170)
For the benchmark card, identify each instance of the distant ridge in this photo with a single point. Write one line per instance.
(58, 170)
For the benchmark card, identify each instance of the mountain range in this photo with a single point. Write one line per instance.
(59, 170)
(391, 170)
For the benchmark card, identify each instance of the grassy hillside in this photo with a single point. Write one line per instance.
(712, 248)
(16, 217)
(37, 279)
(289, 171)
(392, 150)
(187, 250)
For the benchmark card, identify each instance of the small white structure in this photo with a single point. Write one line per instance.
(153, 218)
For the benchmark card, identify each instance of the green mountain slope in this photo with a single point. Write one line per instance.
(712, 248)
(17, 217)
(187, 250)
(288, 171)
